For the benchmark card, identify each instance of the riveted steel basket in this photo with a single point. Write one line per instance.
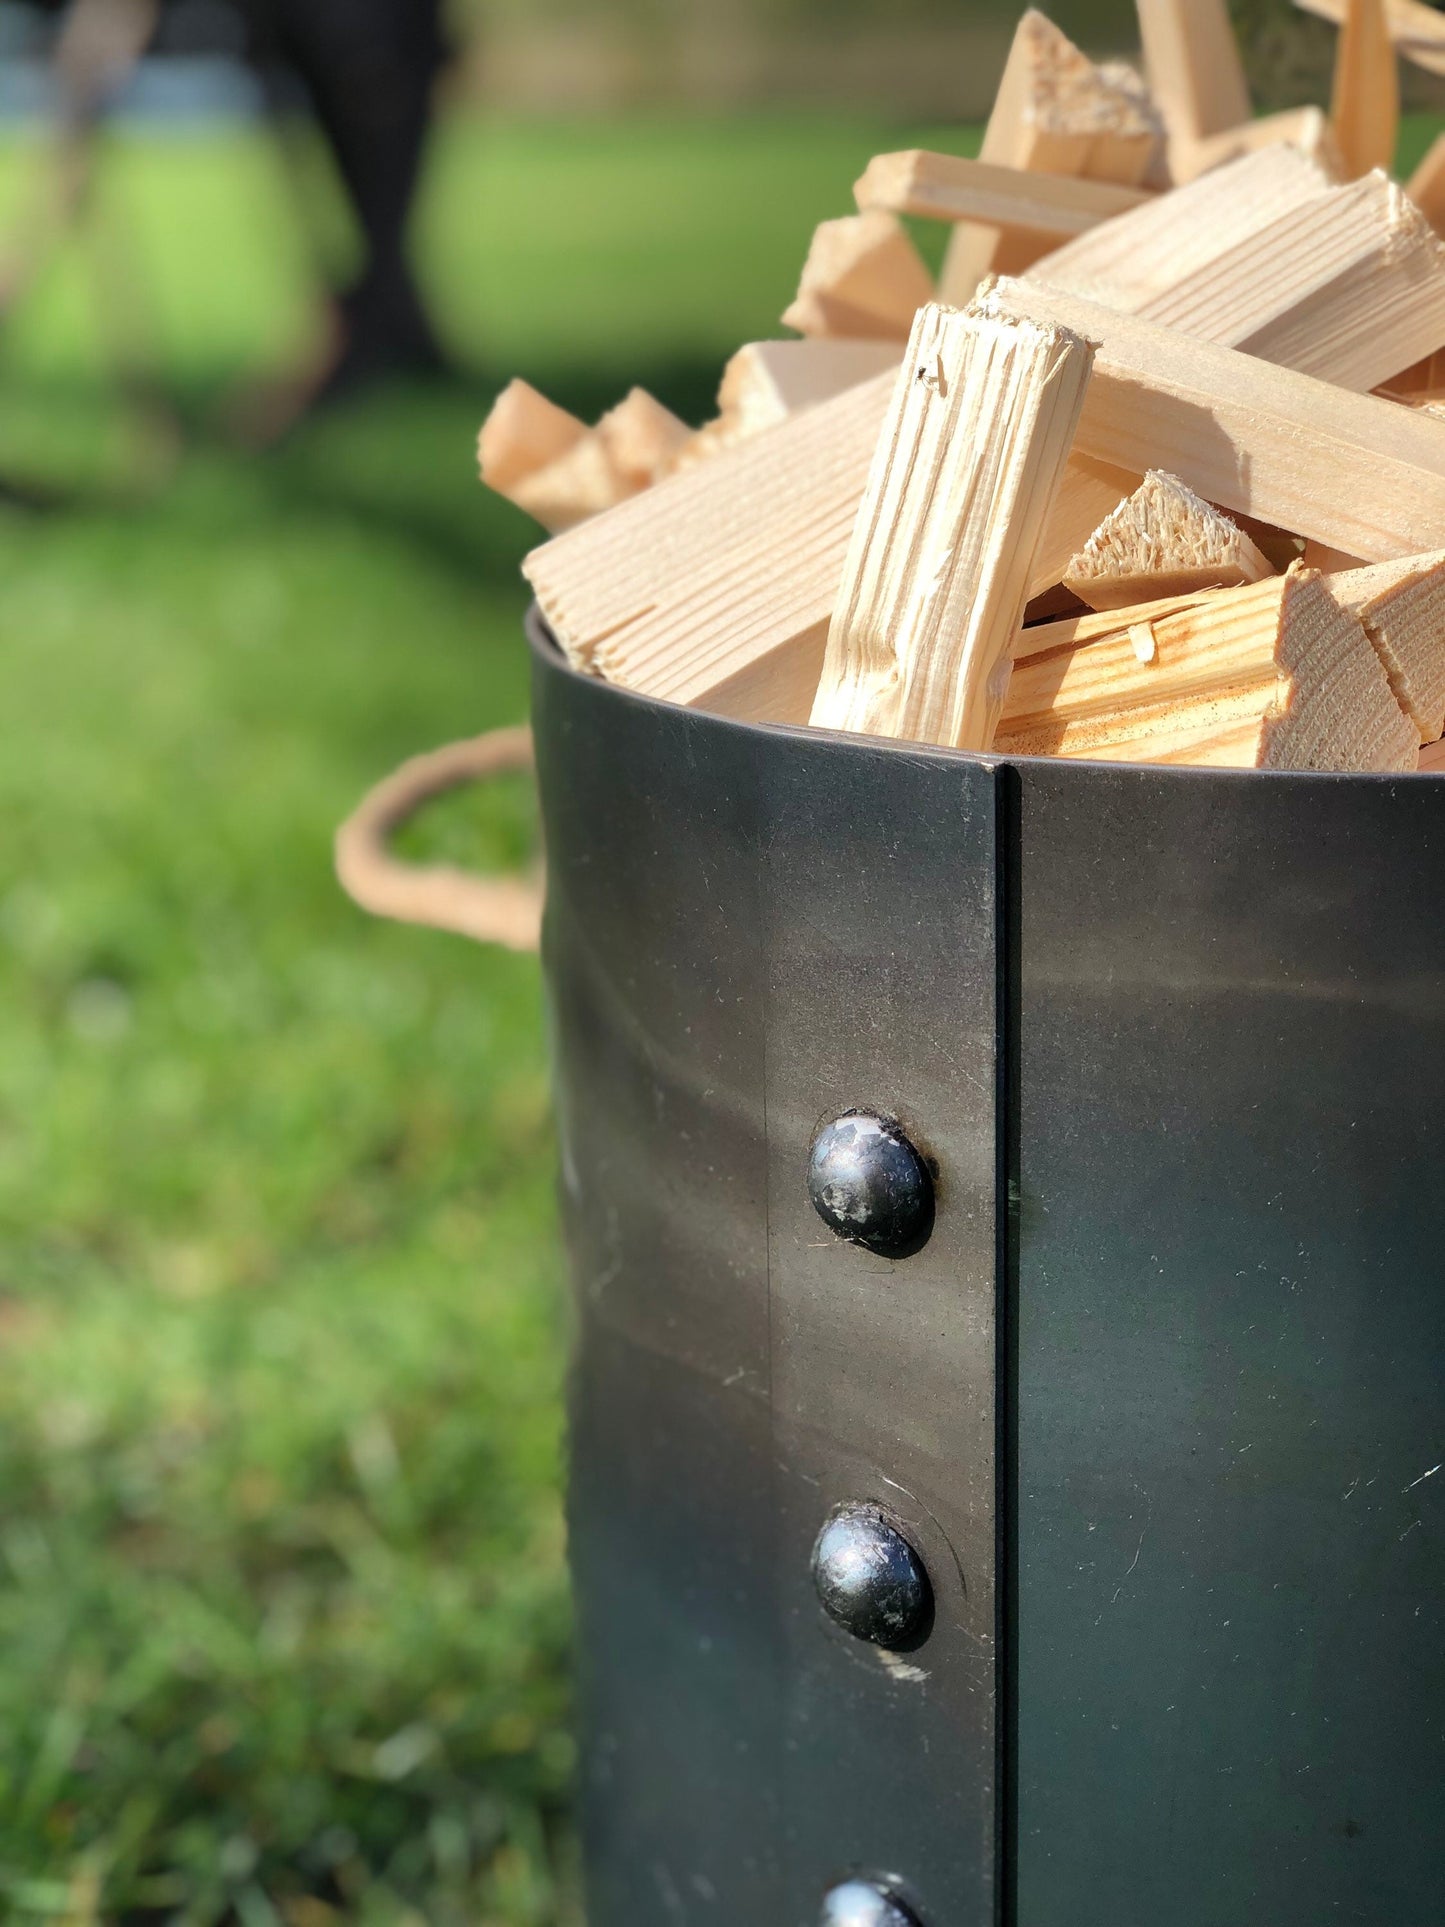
(1160, 1403)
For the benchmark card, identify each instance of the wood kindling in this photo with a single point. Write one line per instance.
(1276, 675)
(937, 573)
(1418, 31)
(1365, 107)
(1402, 608)
(1355, 472)
(1137, 257)
(1163, 541)
(1295, 292)
(1055, 113)
(863, 279)
(1192, 59)
(944, 187)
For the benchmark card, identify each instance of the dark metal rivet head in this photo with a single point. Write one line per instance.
(870, 1186)
(871, 1581)
(859, 1903)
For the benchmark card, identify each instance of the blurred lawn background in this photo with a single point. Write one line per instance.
(282, 1606)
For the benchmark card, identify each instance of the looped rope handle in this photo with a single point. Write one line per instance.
(501, 910)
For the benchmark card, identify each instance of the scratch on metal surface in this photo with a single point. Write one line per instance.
(900, 1669)
(1425, 1475)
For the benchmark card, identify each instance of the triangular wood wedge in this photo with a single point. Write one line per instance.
(1055, 113)
(1402, 608)
(1132, 260)
(937, 573)
(522, 433)
(1273, 676)
(642, 437)
(1163, 541)
(863, 279)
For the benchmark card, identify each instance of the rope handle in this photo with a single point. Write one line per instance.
(491, 909)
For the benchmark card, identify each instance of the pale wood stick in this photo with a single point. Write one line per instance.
(1402, 608)
(937, 573)
(1134, 259)
(1427, 185)
(1318, 555)
(1276, 675)
(863, 279)
(1365, 109)
(1432, 760)
(642, 438)
(944, 187)
(1306, 128)
(1417, 30)
(1192, 59)
(523, 432)
(1055, 113)
(1163, 541)
(1295, 293)
(1349, 470)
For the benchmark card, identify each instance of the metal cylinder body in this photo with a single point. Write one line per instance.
(1159, 1404)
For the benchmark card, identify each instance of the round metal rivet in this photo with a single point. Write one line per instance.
(870, 1186)
(870, 1580)
(859, 1903)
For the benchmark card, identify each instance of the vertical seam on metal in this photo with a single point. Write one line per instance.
(1007, 1124)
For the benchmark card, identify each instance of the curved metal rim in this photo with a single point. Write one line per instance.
(547, 649)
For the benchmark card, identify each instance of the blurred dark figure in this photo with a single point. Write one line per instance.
(368, 69)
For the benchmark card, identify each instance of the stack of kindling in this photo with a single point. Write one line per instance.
(1156, 473)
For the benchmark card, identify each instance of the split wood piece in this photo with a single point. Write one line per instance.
(863, 279)
(1402, 608)
(642, 438)
(1134, 259)
(1192, 59)
(1163, 541)
(1055, 113)
(523, 432)
(1352, 471)
(1305, 128)
(1296, 292)
(1365, 108)
(1276, 675)
(1432, 760)
(1426, 186)
(944, 187)
(1418, 31)
(937, 573)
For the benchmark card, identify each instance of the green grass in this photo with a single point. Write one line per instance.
(282, 1606)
